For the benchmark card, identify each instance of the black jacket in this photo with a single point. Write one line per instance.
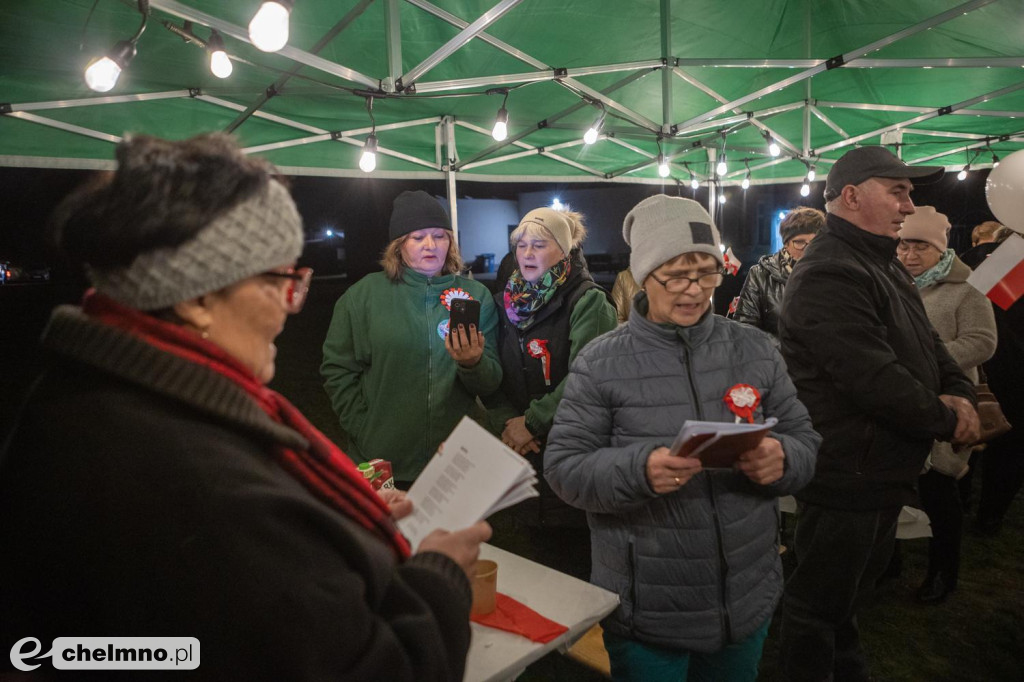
(139, 496)
(761, 295)
(869, 367)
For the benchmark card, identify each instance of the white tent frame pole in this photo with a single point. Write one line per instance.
(666, 73)
(393, 37)
(568, 82)
(862, 63)
(1015, 137)
(924, 117)
(712, 176)
(532, 76)
(181, 11)
(463, 37)
(94, 101)
(846, 58)
(67, 127)
(523, 145)
(827, 121)
(451, 156)
(261, 114)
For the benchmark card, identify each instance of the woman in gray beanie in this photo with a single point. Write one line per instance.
(397, 379)
(759, 300)
(153, 486)
(692, 552)
(965, 322)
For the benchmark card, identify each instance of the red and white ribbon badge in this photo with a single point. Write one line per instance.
(742, 400)
(538, 348)
(449, 295)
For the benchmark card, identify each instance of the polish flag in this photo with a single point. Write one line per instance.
(732, 263)
(1001, 275)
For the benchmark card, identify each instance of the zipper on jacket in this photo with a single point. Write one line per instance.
(428, 295)
(723, 567)
(631, 556)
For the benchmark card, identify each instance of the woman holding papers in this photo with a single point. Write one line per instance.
(153, 485)
(691, 552)
(397, 379)
(551, 308)
(963, 318)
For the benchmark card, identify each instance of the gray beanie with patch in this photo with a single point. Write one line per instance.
(661, 227)
(256, 235)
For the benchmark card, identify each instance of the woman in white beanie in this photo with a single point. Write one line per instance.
(691, 552)
(964, 320)
(154, 486)
(551, 309)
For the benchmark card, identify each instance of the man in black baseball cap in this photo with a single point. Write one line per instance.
(862, 163)
(880, 387)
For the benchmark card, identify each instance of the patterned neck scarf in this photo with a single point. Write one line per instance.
(523, 299)
(786, 260)
(323, 469)
(937, 272)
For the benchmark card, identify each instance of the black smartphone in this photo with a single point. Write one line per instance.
(464, 311)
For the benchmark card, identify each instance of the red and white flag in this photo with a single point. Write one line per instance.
(1001, 275)
(732, 263)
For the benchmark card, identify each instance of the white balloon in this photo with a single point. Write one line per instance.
(1005, 191)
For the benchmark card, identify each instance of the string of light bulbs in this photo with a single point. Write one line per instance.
(368, 157)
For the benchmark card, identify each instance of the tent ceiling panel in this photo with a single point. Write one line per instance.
(735, 67)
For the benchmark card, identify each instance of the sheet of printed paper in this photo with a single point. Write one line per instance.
(473, 476)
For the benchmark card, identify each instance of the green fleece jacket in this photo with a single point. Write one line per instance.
(395, 389)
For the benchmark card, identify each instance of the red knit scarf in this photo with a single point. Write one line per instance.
(322, 468)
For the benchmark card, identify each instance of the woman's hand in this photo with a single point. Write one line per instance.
(466, 348)
(518, 437)
(462, 546)
(667, 473)
(397, 502)
(764, 464)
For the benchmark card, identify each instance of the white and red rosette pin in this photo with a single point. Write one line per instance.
(449, 295)
(538, 348)
(742, 400)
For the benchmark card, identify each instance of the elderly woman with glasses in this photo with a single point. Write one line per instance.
(759, 300)
(965, 322)
(691, 551)
(153, 486)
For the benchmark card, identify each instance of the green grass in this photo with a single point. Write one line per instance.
(977, 635)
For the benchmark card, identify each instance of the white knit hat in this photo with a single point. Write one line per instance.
(554, 222)
(927, 225)
(661, 227)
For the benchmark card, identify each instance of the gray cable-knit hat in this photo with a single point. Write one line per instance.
(661, 227)
(261, 233)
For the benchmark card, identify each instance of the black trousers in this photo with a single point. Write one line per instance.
(840, 556)
(940, 499)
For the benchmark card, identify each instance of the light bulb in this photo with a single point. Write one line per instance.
(962, 175)
(329, 233)
(268, 30)
(663, 169)
(556, 205)
(695, 183)
(590, 137)
(995, 160)
(722, 168)
(746, 182)
(805, 189)
(220, 64)
(721, 198)
(500, 130)
(811, 174)
(102, 74)
(773, 148)
(368, 159)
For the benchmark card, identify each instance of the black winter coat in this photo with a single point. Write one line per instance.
(761, 295)
(869, 367)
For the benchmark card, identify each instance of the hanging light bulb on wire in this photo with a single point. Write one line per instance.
(500, 130)
(101, 74)
(805, 189)
(746, 178)
(810, 173)
(368, 158)
(722, 168)
(773, 146)
(220, 63)
(590, 137)
(268, 29)
(663, 168)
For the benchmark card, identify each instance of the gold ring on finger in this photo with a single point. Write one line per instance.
(678, 482)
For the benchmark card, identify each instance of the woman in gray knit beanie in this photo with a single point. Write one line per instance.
(154, 485)
(689, 545)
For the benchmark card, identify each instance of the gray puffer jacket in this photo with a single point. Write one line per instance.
(698, 568)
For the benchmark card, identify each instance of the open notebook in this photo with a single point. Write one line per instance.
(718, 444)
(472, 476)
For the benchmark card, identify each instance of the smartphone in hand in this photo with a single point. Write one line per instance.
(464, 311)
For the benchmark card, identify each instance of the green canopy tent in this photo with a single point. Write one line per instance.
(690, 82)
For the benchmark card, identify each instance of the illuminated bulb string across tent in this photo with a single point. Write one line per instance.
(101, 74)
(220, 63)
(663, 168)
(500, 130)
(268, 29)
(590, 137)
(368, 159)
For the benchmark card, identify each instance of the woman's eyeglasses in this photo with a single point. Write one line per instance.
(799, 244)
(298, 287)
(916, 247)
(705, 280)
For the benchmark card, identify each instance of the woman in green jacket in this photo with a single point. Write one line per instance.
(397, 380)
